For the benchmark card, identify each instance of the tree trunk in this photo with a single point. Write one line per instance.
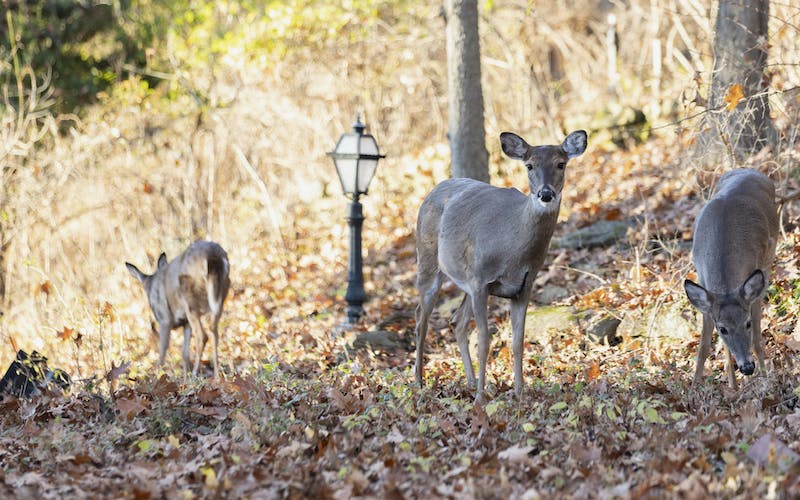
(740, 55)
(2, 272)
(466, 132)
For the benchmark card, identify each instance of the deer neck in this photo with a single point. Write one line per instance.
(540, 213)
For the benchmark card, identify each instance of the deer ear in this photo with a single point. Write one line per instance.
(753, 286)
(162, 260)
(135, 272)
(575, 143)
(698, 296)
(514, 146)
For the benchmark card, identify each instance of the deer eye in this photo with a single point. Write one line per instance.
(561, 165)
(723, 330)
(530, 167)
(749, 324)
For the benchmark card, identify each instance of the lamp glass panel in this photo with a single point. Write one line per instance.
(368, 145)
(366, 170)
(348, 144)
(346, 168)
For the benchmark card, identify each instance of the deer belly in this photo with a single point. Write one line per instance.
(508, 287)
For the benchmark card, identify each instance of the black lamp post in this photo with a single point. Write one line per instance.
(356, 157)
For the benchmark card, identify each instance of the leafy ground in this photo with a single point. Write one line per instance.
(308, 409)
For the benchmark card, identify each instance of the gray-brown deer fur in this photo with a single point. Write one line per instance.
(490, 241)
(180, 292)
(734, 244)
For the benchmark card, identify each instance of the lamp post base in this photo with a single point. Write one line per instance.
(354, 313)
(355, 295)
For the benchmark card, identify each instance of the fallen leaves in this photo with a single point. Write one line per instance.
(129, 408)
(217, 412)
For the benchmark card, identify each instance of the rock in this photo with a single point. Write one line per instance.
(548, 294)
(601, 233)
(605, 330)
(28, 375)
(543, 319)
(660, 320)
(379, 340)
(449, 306)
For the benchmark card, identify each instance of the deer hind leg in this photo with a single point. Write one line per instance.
(193, 300)
(461, 318)
(428, 286)
(757, 338)
(215, 340)
(703, 348)
(479, 309)
(200, 338)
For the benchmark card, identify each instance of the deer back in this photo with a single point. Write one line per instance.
(196, 280)
(736, 232)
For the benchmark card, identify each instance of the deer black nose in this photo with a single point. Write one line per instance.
(747, 368)
(546, 195)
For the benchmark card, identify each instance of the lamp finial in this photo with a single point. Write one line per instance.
(358, 126)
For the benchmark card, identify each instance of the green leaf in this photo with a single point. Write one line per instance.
(144, 445)
(558, 406)
(652, 416)
(492, 408)
(528, 427)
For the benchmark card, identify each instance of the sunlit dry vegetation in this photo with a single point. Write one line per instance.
(211, 120)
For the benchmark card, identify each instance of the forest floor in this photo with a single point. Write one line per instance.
(307, 408)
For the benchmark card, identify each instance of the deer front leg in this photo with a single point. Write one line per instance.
(757, 338)
(186, 353)
(703, 348)
(731, 372)
(519, 307)
(479, 305)
(163, 342)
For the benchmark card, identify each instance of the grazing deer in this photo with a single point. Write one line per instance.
(490, 241)
(734, 244)
(180, 292)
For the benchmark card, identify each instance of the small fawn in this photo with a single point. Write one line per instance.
(181, 291)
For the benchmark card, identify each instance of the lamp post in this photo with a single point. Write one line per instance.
(356, 157)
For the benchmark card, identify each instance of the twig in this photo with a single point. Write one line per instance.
(268, 203)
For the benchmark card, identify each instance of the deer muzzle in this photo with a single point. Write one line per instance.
(546, 195)
(747, 368)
